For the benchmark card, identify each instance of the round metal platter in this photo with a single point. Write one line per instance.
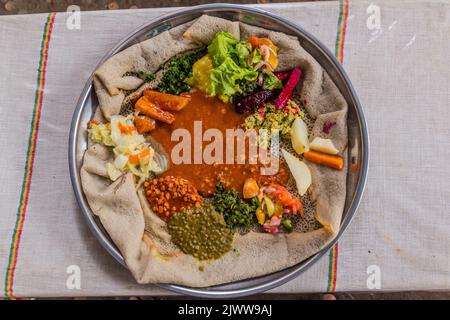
(358, 144)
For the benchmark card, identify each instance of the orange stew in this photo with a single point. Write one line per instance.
(218, 115)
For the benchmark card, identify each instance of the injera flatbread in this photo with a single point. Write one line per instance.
(142, 237)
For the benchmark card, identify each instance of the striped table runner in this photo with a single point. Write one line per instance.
(396, 59)
(339, 53)
(29, 158)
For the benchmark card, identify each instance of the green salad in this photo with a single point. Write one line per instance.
(231, 68)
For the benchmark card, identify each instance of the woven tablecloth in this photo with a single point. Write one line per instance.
(397, 56)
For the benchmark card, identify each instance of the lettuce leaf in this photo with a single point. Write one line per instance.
(230, 65)
(271, 82)
(243, 49)
(256, 57)
(225, 79)
(222, 46)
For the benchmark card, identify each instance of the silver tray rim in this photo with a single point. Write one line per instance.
(284, 275)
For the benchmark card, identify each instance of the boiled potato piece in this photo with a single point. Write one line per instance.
(299, 170)
(323, 145)
(299, 136)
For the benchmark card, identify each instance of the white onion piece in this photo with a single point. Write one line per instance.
(260, 79)
(259, 65)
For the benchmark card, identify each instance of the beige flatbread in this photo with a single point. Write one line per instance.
(142, 237)
(205, 28)
(112, 78)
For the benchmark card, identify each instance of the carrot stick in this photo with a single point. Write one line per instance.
(144, 124)
(254, 41)
(167, 101)
(335, 162)
(144, 106)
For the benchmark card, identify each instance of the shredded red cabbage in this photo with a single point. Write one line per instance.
(250, 103)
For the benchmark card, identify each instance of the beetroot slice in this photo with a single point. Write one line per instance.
(281, 101)
(282, 75)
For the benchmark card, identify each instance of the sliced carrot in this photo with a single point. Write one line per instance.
(144, 124)
(335, 162)
(136, 158)
(254, 41)
(133, 158)
(167, 101)
(126, 129)
(144, 106)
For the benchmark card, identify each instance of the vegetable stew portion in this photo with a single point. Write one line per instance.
(213, 114)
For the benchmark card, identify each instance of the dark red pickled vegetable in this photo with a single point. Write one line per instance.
(282, 75)
(281, 101)
(250, 103)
